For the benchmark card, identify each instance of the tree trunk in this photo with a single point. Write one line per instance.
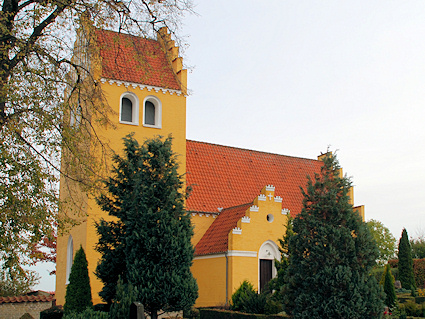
(154, 314)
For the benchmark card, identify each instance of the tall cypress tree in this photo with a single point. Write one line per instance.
(387, 282)
(146, 194)
(331, 254)
(78, 291)
(405, 263)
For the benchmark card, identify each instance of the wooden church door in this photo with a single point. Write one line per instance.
(266, 267)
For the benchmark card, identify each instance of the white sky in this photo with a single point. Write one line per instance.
(294, 77)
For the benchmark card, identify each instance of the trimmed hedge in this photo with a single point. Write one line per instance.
(227, 314)
(54, 312)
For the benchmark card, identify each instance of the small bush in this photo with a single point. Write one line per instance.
(241, 296)
(54, 312)
(87, 314)
(192, 313)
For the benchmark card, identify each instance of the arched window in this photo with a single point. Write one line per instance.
(152, 111)
(69, 257)
(129, 109)
(149, 113)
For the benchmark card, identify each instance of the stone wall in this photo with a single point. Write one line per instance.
(15, 310)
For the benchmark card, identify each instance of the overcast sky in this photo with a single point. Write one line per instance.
(294, 77)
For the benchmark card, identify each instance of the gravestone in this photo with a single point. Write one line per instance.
(137, 311)
(397, 284)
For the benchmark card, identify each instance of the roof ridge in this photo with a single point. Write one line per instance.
(251, 150)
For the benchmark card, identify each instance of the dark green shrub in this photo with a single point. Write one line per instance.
(104, 307)
(125, 296)
(78, 292)
(54, 312)
(227, 314)
(87, 314)
(192, 313)
(387, 282)
(410, 308)
(405, 263)
(241, 296)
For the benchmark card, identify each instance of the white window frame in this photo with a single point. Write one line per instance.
(158, 111)
(135, 112)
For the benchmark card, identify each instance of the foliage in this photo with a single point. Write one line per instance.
(192, 313)
(112, 263)
(78, 292)
(54, 312)
(146, 195)
(277, 283)
(331, 254)
(88, 313)
(418, 247)
(50, 101)
(384, 239)
(405, 263)
(241, 295)
(419, 272)
(246, 299)
(125, 296)
(387, 282)
(413, 309)
(15, 281)
(227, 314)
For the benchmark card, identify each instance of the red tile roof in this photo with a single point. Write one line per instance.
(215, 240)
(26, 298)
(223, 176)
(135, 59)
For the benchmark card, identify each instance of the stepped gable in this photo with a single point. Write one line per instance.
(215, 239)
(223, 176)
(135, 59)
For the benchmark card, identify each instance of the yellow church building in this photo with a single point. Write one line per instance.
(240, 199)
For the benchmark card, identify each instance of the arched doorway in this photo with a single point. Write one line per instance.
(266, 270)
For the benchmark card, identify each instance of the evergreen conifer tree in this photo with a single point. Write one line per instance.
(125, 296)
(146, 194)
(112, 264)
(405, 263)
(331, 254)
(78, 291)
(387, 282)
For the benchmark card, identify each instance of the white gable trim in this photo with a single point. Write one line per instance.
(141, 86)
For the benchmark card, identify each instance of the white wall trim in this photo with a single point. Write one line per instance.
(241, 253)
(142, 86)
(230, 253)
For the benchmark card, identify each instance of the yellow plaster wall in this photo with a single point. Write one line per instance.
(173, 122)
(210, 274)
(242, 268)
(201, 223)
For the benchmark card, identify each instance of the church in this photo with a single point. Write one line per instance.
(240, 198)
